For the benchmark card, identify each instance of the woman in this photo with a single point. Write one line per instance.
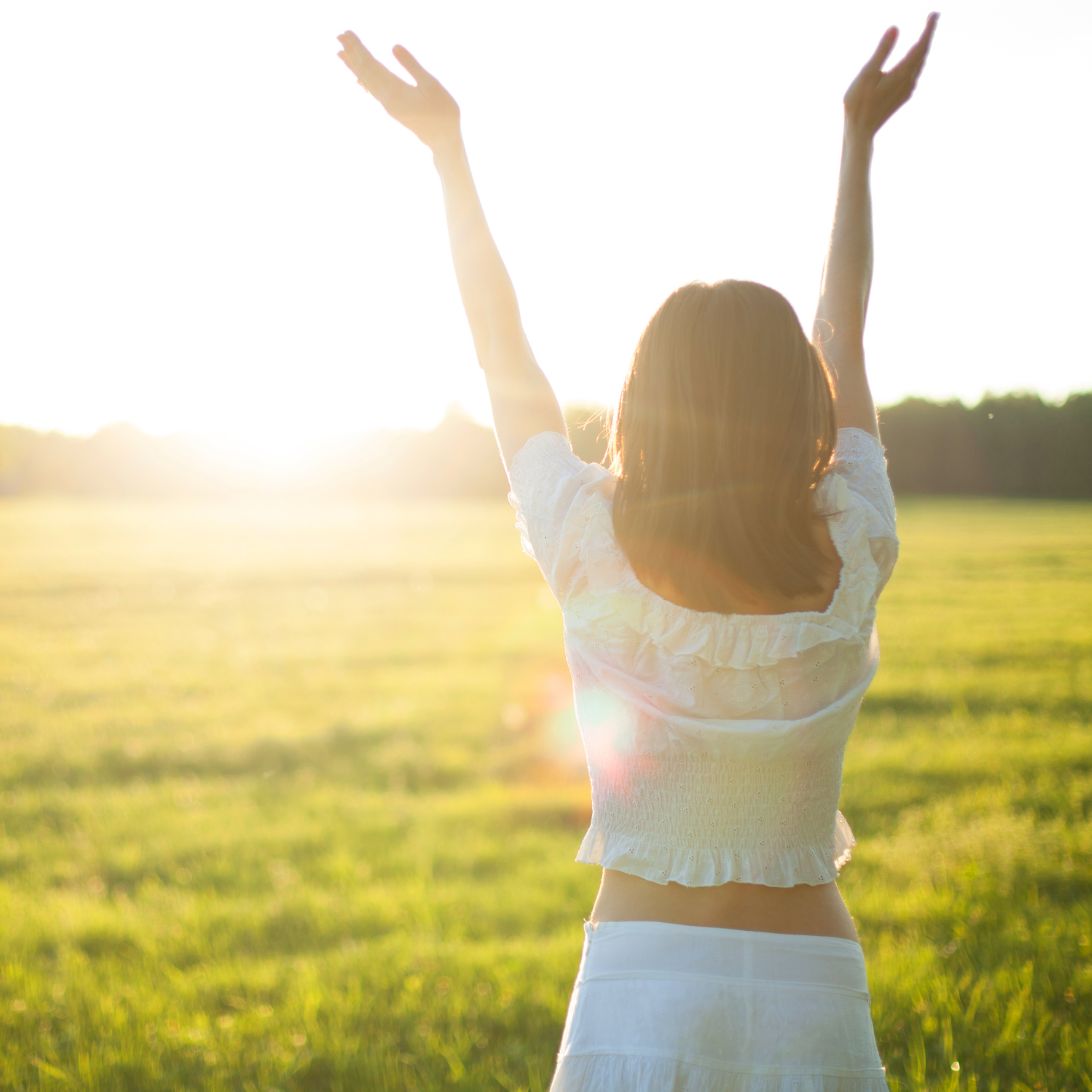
(719, 583)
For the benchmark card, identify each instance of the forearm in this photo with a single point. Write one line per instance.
(847, 274)
(484, 285)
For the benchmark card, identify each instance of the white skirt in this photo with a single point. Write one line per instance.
(660, 1007)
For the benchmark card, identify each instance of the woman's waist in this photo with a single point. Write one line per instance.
(816, 910)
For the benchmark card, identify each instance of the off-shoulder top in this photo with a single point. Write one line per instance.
(714, 742)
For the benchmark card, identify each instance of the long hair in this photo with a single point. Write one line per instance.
(724, 428)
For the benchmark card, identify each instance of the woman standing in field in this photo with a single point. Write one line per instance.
(719, 582)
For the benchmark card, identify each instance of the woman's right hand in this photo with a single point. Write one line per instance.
(425, 107)
(875, 95)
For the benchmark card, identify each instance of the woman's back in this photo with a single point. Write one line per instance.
(805, 908)
(714, 739)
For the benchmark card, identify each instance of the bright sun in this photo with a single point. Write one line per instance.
(272, 447)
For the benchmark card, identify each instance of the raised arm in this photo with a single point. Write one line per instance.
(847, 276)
(522, 399)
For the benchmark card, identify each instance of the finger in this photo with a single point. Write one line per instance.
(376, 78)
(372, 74)
(915, 57)
(409, 62)
(926, 39)
(883, 50)
(930, 29)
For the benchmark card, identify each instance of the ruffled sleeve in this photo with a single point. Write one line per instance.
(549, 491)
(860, 459)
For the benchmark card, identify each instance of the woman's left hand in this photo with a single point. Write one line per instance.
(875, 95)
(426, 109)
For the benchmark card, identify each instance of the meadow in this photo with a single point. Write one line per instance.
(290, 793)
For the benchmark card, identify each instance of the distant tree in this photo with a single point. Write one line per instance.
(1014, 433)
(458, 457)
(931, 448)
(1069, 461)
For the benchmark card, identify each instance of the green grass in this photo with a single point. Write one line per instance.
(289, 798)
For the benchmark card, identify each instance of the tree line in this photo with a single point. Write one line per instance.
(1013, 445)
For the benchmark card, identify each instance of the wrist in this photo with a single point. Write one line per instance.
(856, 140)
(448, 152)
(856, 150)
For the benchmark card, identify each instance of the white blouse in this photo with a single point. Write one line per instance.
(714, 742)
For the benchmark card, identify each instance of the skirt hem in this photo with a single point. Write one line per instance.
(602, 1071)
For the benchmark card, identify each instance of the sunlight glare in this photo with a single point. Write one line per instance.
(272, 447)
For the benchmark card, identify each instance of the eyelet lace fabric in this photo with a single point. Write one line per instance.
(714, 742)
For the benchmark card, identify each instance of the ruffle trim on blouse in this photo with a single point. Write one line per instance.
(613, 599)
(704, 867)
(652, 1073)
(725, 640)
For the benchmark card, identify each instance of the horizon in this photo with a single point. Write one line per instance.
(457, 409)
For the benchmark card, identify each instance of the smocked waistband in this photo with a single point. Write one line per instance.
(756, 935)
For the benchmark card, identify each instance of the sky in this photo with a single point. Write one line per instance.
(209, 227)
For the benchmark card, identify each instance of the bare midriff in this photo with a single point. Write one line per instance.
(817, 910)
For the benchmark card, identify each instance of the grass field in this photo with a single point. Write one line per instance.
(289, 798)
